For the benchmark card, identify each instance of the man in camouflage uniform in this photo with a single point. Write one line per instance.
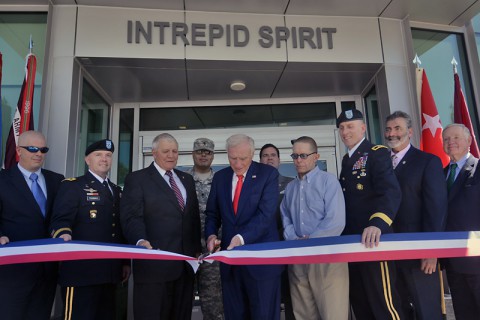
(210, 289)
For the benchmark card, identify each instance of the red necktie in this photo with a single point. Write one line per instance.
(176, 190)
(238, 190)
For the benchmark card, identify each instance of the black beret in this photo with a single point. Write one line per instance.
(104, 144)
(349, 115)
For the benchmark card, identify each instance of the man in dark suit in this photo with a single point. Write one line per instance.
(269, 154)
(423, 209)
(372, 198)
(243, 200)
(159, 210)
(87, 208)
(27, 193)
(463, 181)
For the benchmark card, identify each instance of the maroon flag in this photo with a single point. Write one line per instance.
(461, 114)
(23, 118)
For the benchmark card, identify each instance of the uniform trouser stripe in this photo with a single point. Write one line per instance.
(387, 290)
(69, 303)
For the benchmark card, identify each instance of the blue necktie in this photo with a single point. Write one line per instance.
(38, 193)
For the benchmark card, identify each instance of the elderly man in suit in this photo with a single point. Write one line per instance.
(27, 193)
(243, 200)
(463, 182)
(423, 209)
(159, 210)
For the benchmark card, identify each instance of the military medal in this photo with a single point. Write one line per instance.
(93, 214)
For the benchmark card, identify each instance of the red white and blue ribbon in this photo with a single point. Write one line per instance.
(398, 246)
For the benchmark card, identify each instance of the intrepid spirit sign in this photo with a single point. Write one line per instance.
(230, 35)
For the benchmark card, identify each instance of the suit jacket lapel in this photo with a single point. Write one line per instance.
(163, 185)
(463, 175)
(247, 187)
(406, 160)
(22, 186)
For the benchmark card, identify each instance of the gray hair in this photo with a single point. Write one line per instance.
(400, 114)
(238, 139)
(163, 136)
(466, 132)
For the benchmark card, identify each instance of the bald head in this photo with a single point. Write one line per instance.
(28, 159)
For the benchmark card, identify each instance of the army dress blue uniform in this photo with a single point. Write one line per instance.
(372, 198)
(89, 211)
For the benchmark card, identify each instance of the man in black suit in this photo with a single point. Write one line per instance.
(27, 193)
(87, 208)
(269, 154)
(463, 182)
(423, 209)
(372, 197)
(159, 210)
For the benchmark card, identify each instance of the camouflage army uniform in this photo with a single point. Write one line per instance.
(210, 289)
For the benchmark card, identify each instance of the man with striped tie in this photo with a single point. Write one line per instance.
(159, 210)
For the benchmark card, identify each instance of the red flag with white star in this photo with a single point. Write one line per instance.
(461, 114)
(431, 140)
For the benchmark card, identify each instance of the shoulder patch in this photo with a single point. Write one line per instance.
(378, 146)
(69, 179)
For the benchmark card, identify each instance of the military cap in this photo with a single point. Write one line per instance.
(349, 115)
(203, 144)
(105, 144)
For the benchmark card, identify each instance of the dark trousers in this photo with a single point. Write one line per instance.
(465, 290)
(164, 300)
(96, 302)
(27, 291)
(372, 291)
(422, 291)
(246, 298)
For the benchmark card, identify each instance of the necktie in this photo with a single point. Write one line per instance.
(176, 190)
(238, 190)
(38, 193)
(107, 189)
(394, 161)
(451, 175)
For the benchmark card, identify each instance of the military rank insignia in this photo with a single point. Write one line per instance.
(361, 162)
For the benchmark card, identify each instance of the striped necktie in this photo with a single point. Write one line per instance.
(176, 190)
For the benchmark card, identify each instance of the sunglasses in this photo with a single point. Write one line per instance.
(304, 156)
(35, 149)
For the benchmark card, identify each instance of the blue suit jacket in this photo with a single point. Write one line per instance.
(463, 212)
(255, 219)
(424, 195)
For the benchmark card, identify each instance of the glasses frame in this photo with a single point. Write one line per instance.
(204, 152)
(33, 149)
(303, 156)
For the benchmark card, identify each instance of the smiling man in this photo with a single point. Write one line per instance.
(159, 210)
(87, 208)
(423, 209)
(372, 197)
(243, 201)
(463, 177)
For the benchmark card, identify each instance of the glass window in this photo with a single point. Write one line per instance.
(237, 116)
(94, 122)
(15, 31)
(476, 29)
(373, 117)
(125, 145)
(436, 50)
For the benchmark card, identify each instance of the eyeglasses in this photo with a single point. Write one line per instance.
(203, 151)
(35, 149)
(304, 156)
